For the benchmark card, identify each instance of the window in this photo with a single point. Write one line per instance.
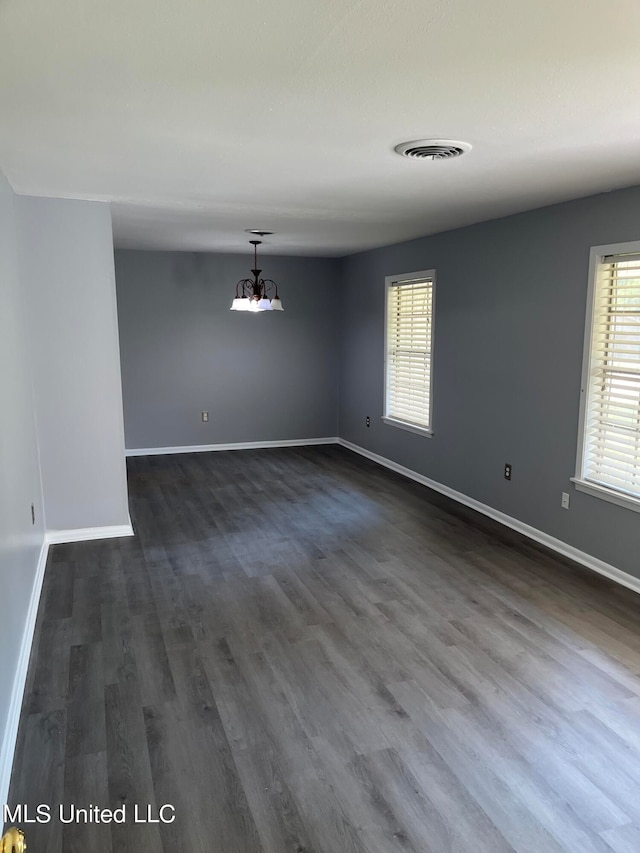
(409, 351)
(609, 447)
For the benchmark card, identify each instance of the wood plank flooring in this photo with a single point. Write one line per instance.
(301, 651)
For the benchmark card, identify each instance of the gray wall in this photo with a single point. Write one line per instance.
(509, 326)
(66, 263)
(20, 541)
(261, 377)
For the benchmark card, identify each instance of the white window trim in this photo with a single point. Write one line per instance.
(606, 494)
(420, 430)
(597, 490)
(391, 281)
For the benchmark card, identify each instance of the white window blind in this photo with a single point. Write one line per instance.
(611, 452)
(409, 339)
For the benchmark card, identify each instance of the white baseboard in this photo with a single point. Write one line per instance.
(84, 534)
(238, 445)
(20, 679)
(545, 539)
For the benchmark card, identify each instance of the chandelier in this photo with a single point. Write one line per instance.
(256, 294)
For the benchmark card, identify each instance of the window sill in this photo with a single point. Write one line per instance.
(428, 433)
(606, 494)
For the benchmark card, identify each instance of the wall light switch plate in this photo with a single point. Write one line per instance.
(565, 500)
(205, 417)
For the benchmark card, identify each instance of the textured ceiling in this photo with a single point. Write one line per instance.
(199, 119)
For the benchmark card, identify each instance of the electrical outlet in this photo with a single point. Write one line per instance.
(33, 514)
(507, 470)
(205, 417)
(368, 421)
(565, 500)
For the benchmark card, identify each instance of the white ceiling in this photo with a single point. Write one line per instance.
(198, 119)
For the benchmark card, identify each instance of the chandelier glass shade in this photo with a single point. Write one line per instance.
(256, 294)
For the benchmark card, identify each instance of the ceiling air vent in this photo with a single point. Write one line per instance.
(432, 149)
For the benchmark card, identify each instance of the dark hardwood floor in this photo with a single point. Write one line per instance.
(302, 651)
